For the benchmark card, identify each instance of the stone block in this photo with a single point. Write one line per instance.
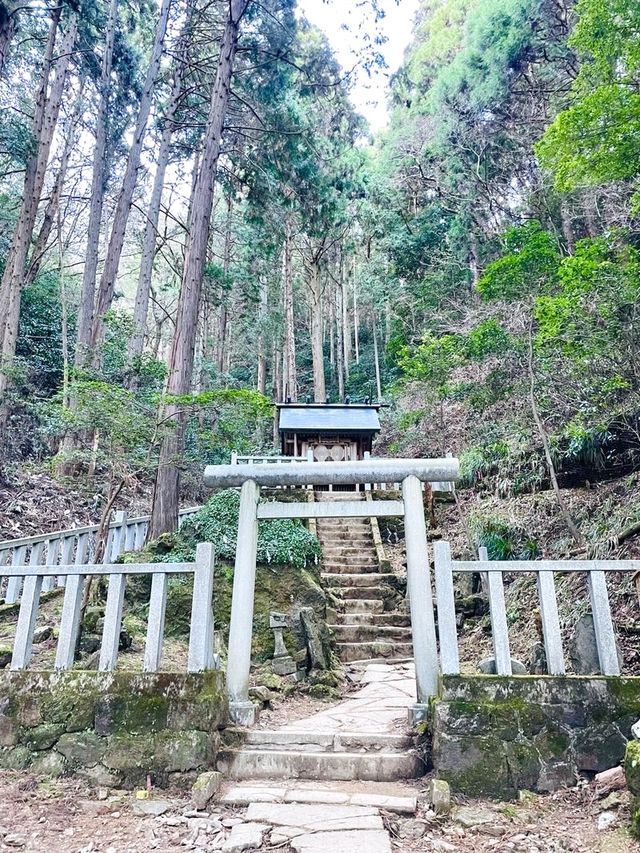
(632, 767)
(49, 764)
(439, 794)
(43, 736)
(15, 758)
(181, 751)
(8, 731)
(82, 749)
(245, 836)
(206, 785)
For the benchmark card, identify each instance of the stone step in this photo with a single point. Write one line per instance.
(282, 740)
(363, 605)
(361, 540)
(373, 650)
(339, 496)
(391, 799)
(396, 619)
(370, 633)
(337, 524)
(348, 593)
(347, 551)
(355, 560)
(346, 569)
(343, 579)
(333, 766)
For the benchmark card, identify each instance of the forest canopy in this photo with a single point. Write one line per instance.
(195, 223)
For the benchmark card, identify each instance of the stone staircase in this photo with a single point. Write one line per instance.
(368, 621)
(340, 756)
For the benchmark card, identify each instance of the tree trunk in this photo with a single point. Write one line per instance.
(263, 311)
(223, 316)
(164, 513)
(317, 353)
(339, 314)
(567, 228)
(125, 199)
(290, 380)
(356, 334)
(45, 120)
(84, 322)
(8, 27)
(571, 525)
(346, 331)
(376, 356)
(141, 311)
(52, 209)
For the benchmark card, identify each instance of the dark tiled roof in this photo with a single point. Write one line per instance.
(329, 418)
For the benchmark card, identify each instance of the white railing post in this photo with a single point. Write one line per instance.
(241, 710)
(201, 656)
(367, 456)
(52, 548)
(447, 631)
(14, 585)
(234, 457)
(155, 622)
(550, 623)
(23, 641)
(72, 610)
(498, 615)
(603, 625)
(425, 652)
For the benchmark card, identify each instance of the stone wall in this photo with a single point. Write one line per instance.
(111, 728)
(494, 736)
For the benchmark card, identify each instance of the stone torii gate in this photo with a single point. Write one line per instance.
(411, 473)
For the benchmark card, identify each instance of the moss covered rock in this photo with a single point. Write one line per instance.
(632, 767)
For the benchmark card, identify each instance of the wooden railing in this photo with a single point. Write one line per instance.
(64, 547)
(544, 570)
(201, 655)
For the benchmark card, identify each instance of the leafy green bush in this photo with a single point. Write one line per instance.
(282, 541)
(502, 540)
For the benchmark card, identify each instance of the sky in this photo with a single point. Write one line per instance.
(369, 93)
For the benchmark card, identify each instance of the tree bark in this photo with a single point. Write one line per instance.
(52, 209)
(567, 228)
(571, 525)
(290, 380)
(45, 121)
(346, 331)
(376, 356)
(84, 322)
(107, 285)
(8, 27)
(263, 311)
(223, 316)
(356, 334)
(141, 310)
(164, 513)
(317, 352)
(339, 314)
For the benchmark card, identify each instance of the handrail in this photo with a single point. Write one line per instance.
(90, 528)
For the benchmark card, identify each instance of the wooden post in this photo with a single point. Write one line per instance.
(241, 710)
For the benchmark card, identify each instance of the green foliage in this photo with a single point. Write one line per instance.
(502, 539)
(281, 542)
(596, 140)
(529, 265)
(39, 342)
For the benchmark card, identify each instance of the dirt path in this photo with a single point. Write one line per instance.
(67, 815)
